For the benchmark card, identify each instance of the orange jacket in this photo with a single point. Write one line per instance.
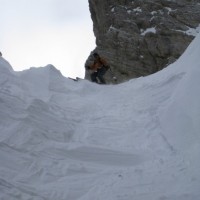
(98, 63)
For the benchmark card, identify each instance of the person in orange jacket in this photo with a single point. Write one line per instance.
(99, 68)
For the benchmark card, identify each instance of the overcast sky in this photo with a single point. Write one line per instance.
(35, 33)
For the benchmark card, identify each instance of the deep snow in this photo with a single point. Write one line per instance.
(66, 140)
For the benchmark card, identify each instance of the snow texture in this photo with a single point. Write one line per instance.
(67, 140)
(148, 30)
(191, 31)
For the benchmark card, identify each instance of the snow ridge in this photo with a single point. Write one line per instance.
(140, 140)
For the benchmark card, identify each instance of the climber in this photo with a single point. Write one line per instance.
(99, 68)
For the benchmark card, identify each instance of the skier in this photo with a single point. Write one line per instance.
(0, 54)
(99, 68)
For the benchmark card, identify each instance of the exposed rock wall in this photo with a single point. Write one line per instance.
(140, 37)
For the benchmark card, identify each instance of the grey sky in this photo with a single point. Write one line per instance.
(39, 32)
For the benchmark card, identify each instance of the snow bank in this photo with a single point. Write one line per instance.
(61, 139)
(5, 65)
(180, 118)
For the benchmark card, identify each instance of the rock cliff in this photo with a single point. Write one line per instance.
(141, 37)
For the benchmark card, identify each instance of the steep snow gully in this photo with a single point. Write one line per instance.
(66, 140)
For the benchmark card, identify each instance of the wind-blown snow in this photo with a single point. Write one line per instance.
(66, 140)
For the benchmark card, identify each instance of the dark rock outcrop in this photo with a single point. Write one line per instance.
(140, 37)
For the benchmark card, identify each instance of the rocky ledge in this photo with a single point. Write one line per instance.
(141, 37)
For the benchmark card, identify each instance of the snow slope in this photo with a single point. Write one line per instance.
(66, 140)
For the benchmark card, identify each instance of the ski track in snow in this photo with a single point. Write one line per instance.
(61, 139)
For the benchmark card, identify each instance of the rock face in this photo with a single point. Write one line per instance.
(141, 37)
